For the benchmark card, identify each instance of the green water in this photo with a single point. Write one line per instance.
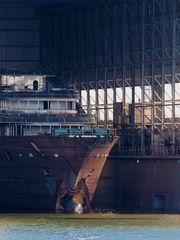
(88, 227)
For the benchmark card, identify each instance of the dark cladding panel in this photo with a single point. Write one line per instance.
(31, 38)
(18, 24)
(3, 41)
(7, 24)
(2, 66)
(30, 66)
(14, 66)
(16, 11)
(2, 53)
(14, 54)
(12, 38)
(19, 38)
(31, 25)
(31, 54)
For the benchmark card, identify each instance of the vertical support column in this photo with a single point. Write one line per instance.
(123, 121)
(152, 77)
(28, 105)
(114, 84)
(18, 107)
(41, 44)
(39, 106)
(124, 55)
(105, 67)
(15, 129)
(79, 58)
(97, 99)
(79, 86)
(114, 55)
(105, 98)
(133, 86)
(88, 91)
(55, 43)
(173, 76)
(163, 75)
(142, 77)
(21, 130)
(96, 69)
(114, 89)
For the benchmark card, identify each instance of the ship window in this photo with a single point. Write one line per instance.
(20, 154)
(35, 85)
(30, 155)
(62, 105)
(56, 155)
(69, 105)
(45, 105)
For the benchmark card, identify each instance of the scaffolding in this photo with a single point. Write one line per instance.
(125, 51)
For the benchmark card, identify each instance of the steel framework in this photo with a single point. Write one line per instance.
(124, 51)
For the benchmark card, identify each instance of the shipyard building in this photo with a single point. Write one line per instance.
(123, 57)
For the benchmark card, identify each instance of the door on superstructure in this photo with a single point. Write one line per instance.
(35, 85)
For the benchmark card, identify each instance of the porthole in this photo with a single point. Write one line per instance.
(30, 155)
(56, 155)
(20, 155)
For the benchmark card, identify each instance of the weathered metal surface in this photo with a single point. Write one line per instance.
(37, 172)
(140, 185)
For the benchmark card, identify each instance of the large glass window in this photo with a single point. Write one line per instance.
(62, 105)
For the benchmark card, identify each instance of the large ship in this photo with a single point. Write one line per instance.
(51, 156)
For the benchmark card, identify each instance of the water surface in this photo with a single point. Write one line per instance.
(88, 227)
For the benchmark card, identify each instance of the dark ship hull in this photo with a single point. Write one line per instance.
(51, 173)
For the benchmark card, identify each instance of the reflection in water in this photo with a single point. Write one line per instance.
(52, 227)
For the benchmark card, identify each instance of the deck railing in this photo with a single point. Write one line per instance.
(37, 95)
(17, 117)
